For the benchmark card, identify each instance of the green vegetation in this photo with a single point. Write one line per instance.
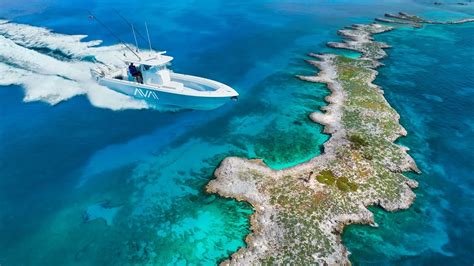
(345, 185)
(348, 73)
(366, 155)
(357, 141)
(326, 177)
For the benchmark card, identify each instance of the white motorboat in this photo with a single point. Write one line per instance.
(161, 86)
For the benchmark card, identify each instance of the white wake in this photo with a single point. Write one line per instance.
(53, 67)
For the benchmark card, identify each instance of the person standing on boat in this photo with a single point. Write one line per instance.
(135, 73)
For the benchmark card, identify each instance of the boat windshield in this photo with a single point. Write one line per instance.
(154, 68)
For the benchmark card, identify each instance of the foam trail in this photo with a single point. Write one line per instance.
(53, 67)
(30, 36)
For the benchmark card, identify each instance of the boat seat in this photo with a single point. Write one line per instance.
(175, 85)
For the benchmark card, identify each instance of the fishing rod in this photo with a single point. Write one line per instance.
(147, 39)
(148, 35)
(129, 24)
(91, 16)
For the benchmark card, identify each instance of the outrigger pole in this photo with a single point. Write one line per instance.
(135, 37)
(129, 23)
(148, 35)
(91, 16)
(136, 31)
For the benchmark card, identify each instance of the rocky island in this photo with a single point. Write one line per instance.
(301, 212)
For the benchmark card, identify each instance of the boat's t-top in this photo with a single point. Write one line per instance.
(149, 68)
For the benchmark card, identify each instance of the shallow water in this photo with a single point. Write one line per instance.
(429, 80)
(58, 162)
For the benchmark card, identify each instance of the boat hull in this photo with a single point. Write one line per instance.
(156, 97)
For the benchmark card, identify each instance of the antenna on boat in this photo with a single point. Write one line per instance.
(135, 37)
(148, 36)
(91, 16)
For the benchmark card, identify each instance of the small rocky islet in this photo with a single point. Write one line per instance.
(300, 212)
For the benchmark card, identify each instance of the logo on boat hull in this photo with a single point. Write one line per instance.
(145, 93)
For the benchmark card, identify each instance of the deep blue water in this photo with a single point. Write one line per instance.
(429, 80)
(150, 166)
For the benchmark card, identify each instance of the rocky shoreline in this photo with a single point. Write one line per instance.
(301, 212)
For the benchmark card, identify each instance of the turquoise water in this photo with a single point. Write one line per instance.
(83, 184)
(429, 79)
